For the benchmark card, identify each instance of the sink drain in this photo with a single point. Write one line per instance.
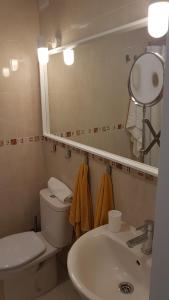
(126, 288)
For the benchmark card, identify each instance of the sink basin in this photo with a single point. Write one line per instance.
(101, 266)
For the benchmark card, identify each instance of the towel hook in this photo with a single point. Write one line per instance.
(108, 168)
(86, 159)
(54, 147)
(68, 153)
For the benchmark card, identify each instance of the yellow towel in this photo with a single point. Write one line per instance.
(81, 215)
(104, 202)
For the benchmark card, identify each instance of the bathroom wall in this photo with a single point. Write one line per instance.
(22, 172)
(134, 192)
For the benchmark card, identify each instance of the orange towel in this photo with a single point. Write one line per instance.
(104, 202)
(81, 213)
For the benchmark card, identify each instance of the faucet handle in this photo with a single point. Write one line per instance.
(142, 228)
(148, 226)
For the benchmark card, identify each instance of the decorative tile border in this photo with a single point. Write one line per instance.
(21, 140)
(37, 138)
(95, 130)
(115, 165)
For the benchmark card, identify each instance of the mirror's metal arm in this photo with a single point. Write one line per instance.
(148, 149)
(143, 135)
(155, 135)
(155, 140)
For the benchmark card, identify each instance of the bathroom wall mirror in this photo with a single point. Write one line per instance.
(87, 104)
(146, 79)
(146, 82)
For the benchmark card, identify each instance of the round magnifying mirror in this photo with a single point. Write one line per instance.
(146, 79)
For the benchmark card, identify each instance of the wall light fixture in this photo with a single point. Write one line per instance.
(69, 57)
(158, 16)
(43, 55)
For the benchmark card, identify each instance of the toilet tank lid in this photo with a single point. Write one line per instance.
(53, 202)
(18, 249)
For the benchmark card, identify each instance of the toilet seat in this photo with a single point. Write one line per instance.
(19, 249)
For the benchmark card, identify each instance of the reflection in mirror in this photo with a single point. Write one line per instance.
(146, 79)
(89, 101)
(146, 83)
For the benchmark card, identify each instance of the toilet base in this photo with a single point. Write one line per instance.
(32, 282)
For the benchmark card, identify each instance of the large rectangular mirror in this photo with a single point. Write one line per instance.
(89, 100)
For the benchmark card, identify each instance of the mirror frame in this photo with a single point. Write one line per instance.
(141, 167)
(160, 96)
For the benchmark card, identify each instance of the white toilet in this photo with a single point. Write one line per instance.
(28, 262)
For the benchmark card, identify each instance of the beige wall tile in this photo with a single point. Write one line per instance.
(135, 197)
(22, 170)
(22, 177)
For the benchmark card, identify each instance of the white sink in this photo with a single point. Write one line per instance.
(100, 261)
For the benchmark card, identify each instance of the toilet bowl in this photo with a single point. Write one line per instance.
(22, 252)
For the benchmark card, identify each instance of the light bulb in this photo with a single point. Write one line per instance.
(14, 65)
(5, 72)
(158, 15)
(43, 55)
(68, 56)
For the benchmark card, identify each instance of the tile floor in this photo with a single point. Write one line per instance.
(64, 291)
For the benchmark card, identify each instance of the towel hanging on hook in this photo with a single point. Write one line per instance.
(105, 198)
(81, 211)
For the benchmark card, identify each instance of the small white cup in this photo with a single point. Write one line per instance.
(114, 220)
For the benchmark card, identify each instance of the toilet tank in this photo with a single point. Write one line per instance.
(55, 225)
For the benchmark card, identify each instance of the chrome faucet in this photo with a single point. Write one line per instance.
(146, 238)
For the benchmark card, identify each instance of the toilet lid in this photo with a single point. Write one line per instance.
(19, 249)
